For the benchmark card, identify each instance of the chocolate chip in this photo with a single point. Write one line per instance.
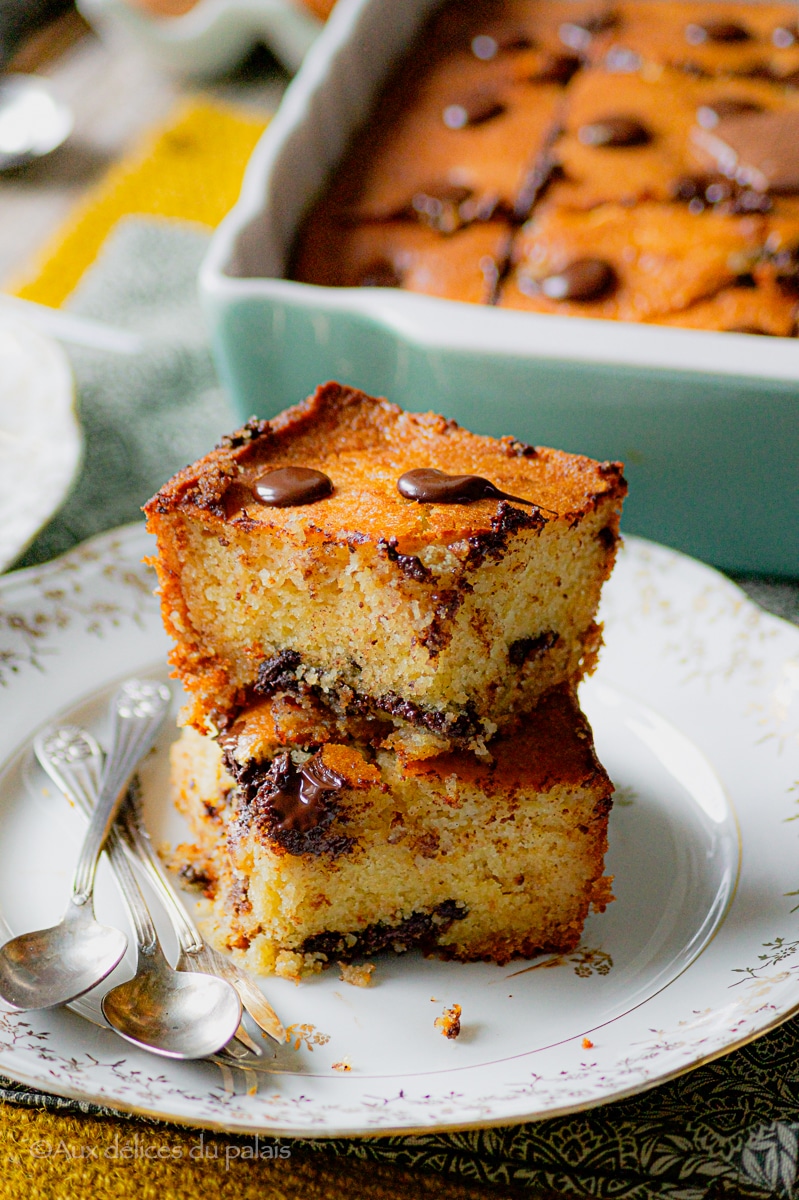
(688, 187)
(757, 150)
(525, 649)
(709, 115)
(716, 31)
(613, 132)
(441, 193)
(697, 191)
(278, 673)
(749, 329)
(380, 273)
(584, 279)
(715, 193)
(577, 35)
(510, 37)
(786, 266)
(475, 109)
(557, 68)
(758, 70)
(288, 487)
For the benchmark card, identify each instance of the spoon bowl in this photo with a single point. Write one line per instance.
(51, 966)
(175, 1013)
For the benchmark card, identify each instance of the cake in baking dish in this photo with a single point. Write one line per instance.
(430, 583)
(631, 161)
(312, 850)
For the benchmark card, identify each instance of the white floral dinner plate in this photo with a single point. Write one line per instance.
(695, 709)
(40, 439)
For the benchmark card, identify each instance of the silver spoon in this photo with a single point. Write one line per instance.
(162, 1010)
(52, 966)
(32, 121)
(74, 761)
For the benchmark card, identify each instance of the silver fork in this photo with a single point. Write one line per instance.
(73, 760)
(250, 994)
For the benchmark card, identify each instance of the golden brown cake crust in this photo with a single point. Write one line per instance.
(660, 135)
(366, 444)
(477, 607)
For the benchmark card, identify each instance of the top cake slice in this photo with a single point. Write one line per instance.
(437, 617)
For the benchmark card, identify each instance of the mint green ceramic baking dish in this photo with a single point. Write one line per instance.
(707, 423)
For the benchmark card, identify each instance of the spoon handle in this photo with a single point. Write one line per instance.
(138, 712)
(73, 760)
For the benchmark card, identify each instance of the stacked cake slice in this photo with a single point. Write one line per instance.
(381, 621)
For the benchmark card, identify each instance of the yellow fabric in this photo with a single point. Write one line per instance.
(190, 169)
(51, 1155)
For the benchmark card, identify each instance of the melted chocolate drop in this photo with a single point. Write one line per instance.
(440, 193)
(585, 279)
(557, 68)
(709, 115)
(475, 109)
(577, 34)
(426, 485)
(290, 486)
(614, 131)
(511, 37)
(299, 804)
(444, 206)
(716, 31)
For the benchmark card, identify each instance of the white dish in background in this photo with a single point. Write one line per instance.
(696, 714)
(214, 35)
(41, 444)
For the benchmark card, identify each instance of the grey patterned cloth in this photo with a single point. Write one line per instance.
(146, 416)
(728, 1129)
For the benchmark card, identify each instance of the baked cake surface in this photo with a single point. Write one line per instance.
(443, 621)
(543, 127)
(469, 859)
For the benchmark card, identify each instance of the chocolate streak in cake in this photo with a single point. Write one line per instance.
(421, 929)
(278, 674)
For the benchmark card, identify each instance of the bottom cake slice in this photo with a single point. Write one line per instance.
(312, 850)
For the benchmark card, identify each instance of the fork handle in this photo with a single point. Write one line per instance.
(141, 846)
(139, 709)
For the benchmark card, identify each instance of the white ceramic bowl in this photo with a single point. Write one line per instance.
(707, 423)
(41, 444)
